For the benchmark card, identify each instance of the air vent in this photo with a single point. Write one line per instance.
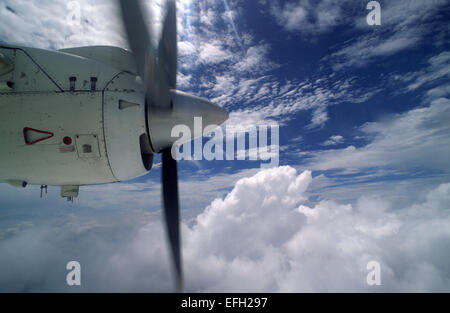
(125, 104)
(93, 83)
(72, 81)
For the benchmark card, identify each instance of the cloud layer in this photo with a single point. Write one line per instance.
(263, 236)
(259, 238)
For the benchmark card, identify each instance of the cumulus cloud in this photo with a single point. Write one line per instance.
(270, 242)
(262, 236)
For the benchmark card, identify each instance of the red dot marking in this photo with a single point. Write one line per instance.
(67, 140)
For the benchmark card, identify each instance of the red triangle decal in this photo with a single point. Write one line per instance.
(33, 136)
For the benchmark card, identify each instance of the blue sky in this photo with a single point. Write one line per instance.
(364, 121)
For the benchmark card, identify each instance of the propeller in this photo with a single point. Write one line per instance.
(166, 107)
(171, 211)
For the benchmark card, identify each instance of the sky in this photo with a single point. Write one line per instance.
(364, 155)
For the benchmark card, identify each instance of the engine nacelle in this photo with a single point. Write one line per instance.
(127, 143)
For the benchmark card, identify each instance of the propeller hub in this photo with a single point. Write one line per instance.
(183, 110)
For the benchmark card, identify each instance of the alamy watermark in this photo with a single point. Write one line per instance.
(373, 278)
(374, 16)
(73, 278)
(228, 143)
(73, 16)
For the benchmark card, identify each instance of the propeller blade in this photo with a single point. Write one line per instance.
(159, 74)
(172, 212)
(166, 69)
(139, 38)
(167, 48)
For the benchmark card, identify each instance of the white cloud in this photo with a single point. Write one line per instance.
(255, 60)
(439, 68)
(290, 16)
(316, 95)
(224, 85)
(333, 140)
(405, 24)
(44, 24)
(183, 81)
(433, 76)
(319, 118)
(208, 17)
(367, 48)
(266, 100)
(186, 48)
(213, 52)
(439, 92)
(308, 17)
(261, 237)
(419, 138)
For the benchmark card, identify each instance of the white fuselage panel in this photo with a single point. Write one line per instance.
(51, 161)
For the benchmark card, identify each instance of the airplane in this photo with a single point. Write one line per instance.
(98, 114)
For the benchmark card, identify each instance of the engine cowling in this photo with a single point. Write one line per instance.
(126, 136)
